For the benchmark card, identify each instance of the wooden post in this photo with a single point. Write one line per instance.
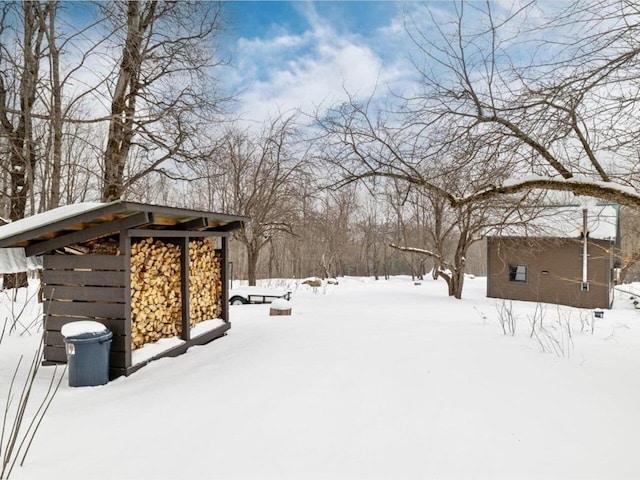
(125, 251)
(184, 287)
(225, 280)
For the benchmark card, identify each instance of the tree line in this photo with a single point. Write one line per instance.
(510, 107)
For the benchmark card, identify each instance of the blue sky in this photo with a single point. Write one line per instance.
(259, 19)
(308, 55)
(288, 55)
(297, 55)
(305, 54)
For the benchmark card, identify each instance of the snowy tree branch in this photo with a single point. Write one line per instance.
(605, 190)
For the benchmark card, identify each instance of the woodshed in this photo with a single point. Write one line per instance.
(147, 272)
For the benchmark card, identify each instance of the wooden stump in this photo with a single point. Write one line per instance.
(280, 306)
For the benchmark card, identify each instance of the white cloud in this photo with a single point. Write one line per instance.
(315, 68)
(276, 44)
(321, 78)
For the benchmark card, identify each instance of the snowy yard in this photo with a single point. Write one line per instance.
(365, 380)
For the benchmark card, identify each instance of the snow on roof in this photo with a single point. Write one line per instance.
(14, 260)
(46, 218)
(566, 221)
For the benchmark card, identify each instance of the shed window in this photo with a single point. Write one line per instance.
(517, 273)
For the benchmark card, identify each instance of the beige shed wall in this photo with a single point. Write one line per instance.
(554, 271)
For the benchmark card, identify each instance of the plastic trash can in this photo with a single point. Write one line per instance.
(87, 345)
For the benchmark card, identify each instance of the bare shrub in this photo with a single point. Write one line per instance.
(537, 319)
(556, 336)
(19, 319)
(17, 431)
(17, 435)
(587, 321)
(4, 329)
(507, 318)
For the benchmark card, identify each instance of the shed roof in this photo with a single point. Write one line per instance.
(104, 217)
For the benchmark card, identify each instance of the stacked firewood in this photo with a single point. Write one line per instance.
(107, 246)
(102, 246)
(156, 301)
(205, 285)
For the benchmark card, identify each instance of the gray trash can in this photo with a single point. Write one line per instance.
(88, 357)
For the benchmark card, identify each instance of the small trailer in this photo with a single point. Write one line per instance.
(245, 295)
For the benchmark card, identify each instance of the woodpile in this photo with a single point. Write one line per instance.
(108, 246)
(156, 303)
(156, 300)
(205, 282)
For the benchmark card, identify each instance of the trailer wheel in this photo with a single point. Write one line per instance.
(237, 300)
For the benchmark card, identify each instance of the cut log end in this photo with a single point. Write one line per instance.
(156, 291)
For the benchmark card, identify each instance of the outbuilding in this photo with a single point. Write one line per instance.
(156, 276)
(568, 256)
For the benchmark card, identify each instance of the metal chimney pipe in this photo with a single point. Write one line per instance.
(584, 246)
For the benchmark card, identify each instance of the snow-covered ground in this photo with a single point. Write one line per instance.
(366, 379)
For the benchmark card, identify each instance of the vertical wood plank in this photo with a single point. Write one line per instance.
(224, 272)
(125, 250)
(184, 287)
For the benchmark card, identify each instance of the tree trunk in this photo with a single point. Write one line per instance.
(56, 111)
(14, 280)
(447, 278)
(123, 104)
(457, 284)
(271, 259)
(324, 266)
(252, 264)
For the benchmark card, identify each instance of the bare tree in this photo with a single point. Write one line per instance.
(419, 217)
(56, 107)
(561, 104)
(501, 111)
(331, 229)
(62, 114)
(18, 91)
(163, 94)
(260, 175)
(371, 225)
(19, 78)
(451, 230)
(365, 145)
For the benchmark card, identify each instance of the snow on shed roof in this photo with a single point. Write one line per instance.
(45, 218)
(36, 233)
(566, 221)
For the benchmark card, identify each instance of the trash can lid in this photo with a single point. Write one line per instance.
(75, 329)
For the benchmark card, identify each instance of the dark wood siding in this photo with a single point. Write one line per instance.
(85, 287)
(97, 287)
